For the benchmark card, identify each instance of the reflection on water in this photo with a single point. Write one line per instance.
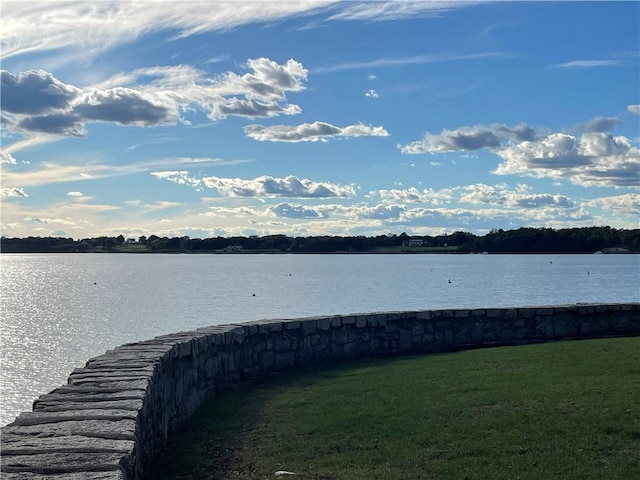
(60, 310)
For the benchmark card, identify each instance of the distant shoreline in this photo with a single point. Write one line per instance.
(583, 240)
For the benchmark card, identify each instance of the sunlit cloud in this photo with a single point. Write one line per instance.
(13, 192)
(521, 198)
(470, 138)
(593, 159)
(267, 186)
(6, 157)
(37, 102)
(289, 210)
(627, 204)
(589, 64)
(311, 132)
(414, 60)
(181, 177)
(428, 196)
(396, 10)
(50, 172)
(94, 28)
(634, 109)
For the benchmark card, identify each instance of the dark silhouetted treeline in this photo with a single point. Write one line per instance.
(522, 240)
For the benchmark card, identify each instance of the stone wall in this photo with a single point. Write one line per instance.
(116, 413)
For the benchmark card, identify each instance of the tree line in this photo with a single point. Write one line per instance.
(522, 240)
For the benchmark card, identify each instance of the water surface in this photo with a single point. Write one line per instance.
(59, 310)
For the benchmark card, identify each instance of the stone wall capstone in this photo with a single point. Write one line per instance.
(116, 413)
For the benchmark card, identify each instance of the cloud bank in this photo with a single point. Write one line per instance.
(37, 102)
(261, 187)
(593, 158)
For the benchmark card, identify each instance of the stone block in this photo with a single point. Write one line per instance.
(292, 324)
(52, 463)
(13, 444)
(56, 405)
(276, 327)
(309, 326)
(348, 320)
(114, 429)
(324, 324)
(85, 475)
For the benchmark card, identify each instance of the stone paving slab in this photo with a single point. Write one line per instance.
(119, 430)
(63, 404)
(112, 475)
(50, 463)
(13, 444)
(39, 417)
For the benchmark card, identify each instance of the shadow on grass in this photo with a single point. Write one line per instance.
(557, 410)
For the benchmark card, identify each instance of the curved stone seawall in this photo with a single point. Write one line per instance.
(117, 412)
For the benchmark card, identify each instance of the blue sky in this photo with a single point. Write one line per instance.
(317, 118)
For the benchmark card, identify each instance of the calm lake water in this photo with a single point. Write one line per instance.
(60, 310)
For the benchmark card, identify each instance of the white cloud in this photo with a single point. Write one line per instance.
(266, 186)
(75, 194)
(413, 195)
(13, 192)
(372, 76)
(181, 177)
(49, 221)
(251, 108)
(226, 212)
(634, 109)
(394, 10)
(125, 106)
(599, 124)
(267, 80)
(414, 60)
(310, 132)
(626, 204)
(38, 102)
(477, 194)
(594, 159)
(35, 92)
(470, 138)
(289, 210)
(380, 212)
(93, 28)
(589, 64)
(6, 157)
(371, 93)
(502, 195)
(49, 172)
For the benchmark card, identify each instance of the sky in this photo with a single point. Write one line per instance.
(207, 118)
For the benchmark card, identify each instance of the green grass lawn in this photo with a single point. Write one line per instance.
(567, 410)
